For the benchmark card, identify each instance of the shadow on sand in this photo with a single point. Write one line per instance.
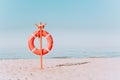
(71, 64)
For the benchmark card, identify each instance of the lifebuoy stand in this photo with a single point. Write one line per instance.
(41, 62)
(40, 33)
(41, 26)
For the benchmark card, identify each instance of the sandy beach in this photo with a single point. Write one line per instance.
(61, 69)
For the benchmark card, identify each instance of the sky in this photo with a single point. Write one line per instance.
(74, 24)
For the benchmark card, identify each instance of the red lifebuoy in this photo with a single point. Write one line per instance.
(37, 34)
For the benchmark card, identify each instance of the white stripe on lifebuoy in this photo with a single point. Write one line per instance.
(33, 35)
(47, 36)
(33, 49)
(47, 49)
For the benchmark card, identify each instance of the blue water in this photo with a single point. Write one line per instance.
(71, 53)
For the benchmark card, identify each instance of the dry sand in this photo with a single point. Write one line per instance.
(61, 69)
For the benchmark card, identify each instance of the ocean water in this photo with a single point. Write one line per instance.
(71, 53)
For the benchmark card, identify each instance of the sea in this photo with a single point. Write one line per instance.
(61, 53)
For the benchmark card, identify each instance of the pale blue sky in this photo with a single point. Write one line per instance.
(79, 24)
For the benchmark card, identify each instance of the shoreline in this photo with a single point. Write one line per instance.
(62, 57)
